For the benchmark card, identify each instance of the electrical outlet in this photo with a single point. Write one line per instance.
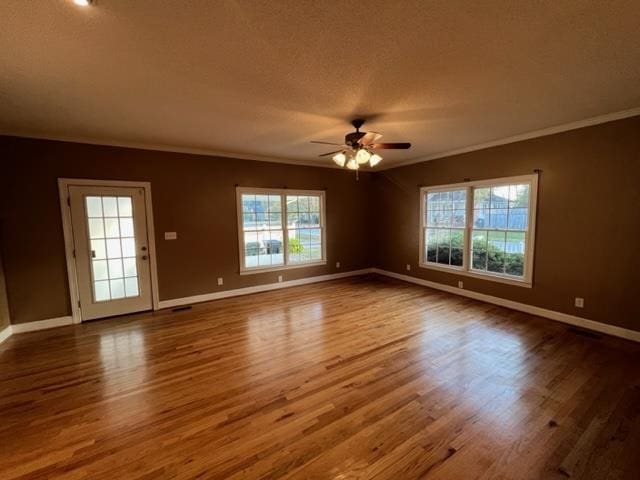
(460, 284)
(170, 235)
(220, 281)
(408, 266)
(279, 278)
(579, 302)
(337, 264)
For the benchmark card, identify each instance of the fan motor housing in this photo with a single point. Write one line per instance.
(352, 139)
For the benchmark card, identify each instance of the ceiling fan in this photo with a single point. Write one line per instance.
(360, 148)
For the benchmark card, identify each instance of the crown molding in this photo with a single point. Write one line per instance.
(587, 122)
(167, 148)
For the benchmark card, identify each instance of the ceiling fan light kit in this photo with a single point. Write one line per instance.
(359, 148)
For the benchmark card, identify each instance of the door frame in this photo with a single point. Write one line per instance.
(67, 228)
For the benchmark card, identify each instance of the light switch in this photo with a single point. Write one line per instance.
(170, 235)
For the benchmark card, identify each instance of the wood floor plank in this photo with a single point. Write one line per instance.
(363, 378)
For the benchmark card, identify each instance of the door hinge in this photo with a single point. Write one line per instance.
(78, 303)
(74, 253)
(69, 201)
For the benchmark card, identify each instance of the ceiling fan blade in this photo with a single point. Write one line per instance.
(391, 146)
(330, 153)
(369, 138)
(327, 143)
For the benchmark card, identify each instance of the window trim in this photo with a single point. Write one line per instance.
(527, 280)
(283, 192)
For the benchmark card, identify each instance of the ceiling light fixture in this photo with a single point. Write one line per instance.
(362, 156)
(352, 164)
(374, 159)
(360, 148)
(340, 159)
(82, 3)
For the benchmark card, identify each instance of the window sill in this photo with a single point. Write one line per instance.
(482, 276)
(277, 268)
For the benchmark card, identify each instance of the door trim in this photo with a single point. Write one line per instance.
(63, 190)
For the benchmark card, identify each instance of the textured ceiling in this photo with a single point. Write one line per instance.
(263, 78)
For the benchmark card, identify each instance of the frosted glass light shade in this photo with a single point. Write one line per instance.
(362, 156)
(340, 159)
(352, 164)
(375, 159)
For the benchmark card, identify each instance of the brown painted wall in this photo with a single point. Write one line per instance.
(588, 223)
(587, 231)
(192, 195)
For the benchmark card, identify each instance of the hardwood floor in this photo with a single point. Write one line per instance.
(353, 379)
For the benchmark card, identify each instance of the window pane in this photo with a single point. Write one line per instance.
(518, 195)
(514, 264)
(443, 253)
(432, 245)
(99, 249)
(315, 251)
(131, 287)
(518, 218)
(500, 197)
(248, 203)
(458, 218)
(292, 203)
(113, 248)
(110, 206)
(456, 257)
(457, 238)
(124, 207)
(495, 252)
(117, 288)
(126, 227)
(128, 247)
(130, 269)
(111, 227)
(444, 237)
(303, 203)
(481, 218)
(314, 204)
(94, 206)
(297, 248)
(100, 270)
(249, 221)
(101, 291)
(115, 268)
(498, 218)
(479, 260)
(515, 242)
(96, 228)
(481, 198)
(459, 199)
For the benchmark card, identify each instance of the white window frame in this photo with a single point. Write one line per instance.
(283, 192)
(465, 269)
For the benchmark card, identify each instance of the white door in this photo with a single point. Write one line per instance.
(111, 250)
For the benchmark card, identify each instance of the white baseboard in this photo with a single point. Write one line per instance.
(5, 333)
(522, 307)
(41, 324)
(207, 297)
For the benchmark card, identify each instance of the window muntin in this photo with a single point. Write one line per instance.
(280, 229)
(492, 232)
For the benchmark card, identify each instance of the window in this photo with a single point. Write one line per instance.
(280, 229)
(483, 229)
